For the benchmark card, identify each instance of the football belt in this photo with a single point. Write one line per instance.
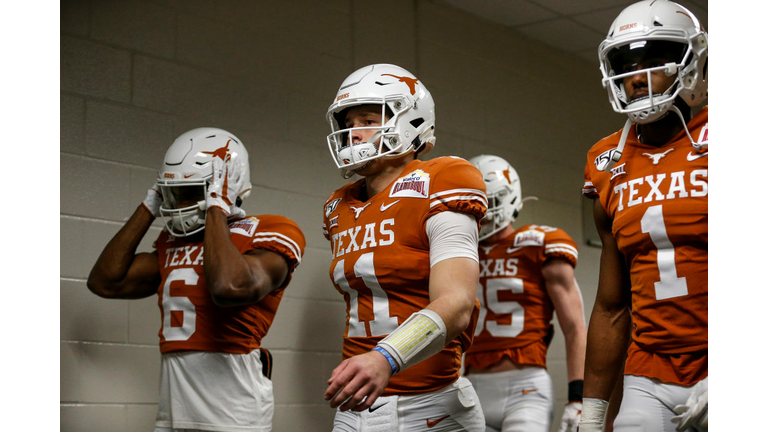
(266, 362)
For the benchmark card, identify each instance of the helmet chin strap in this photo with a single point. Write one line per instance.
(620, 148)
(625, 132)
(347, 172)
(697, 146)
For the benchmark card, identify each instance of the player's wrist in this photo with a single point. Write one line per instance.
(388, 356)
(421, 336)
(216, 208)
(148, 210)
(593, 412)
(575, 391)
(152, 202)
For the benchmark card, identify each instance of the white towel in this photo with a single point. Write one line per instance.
(382, 416)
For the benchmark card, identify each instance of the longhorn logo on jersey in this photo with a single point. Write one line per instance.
(358, 210)
(413, 185)
(656, 157)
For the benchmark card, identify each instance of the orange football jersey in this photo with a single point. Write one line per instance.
(381, 259)
(517, 311)
(658, 200)
(190, 318)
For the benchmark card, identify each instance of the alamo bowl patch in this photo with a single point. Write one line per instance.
(529, 238)
(413, 185)
(244, 227)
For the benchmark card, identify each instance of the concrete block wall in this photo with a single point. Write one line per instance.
(137, 73)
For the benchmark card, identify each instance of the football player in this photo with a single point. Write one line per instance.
(525, 275)
(218, 275)
(649, 185)
(404, 245)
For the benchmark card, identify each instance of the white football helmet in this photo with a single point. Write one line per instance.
(502, 187)
(654, 30)
(403, 98)
(186, 173)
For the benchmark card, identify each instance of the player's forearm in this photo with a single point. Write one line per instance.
(456, 312)
(453, 292)
(607, 341)
(575, 351)
(228, 277)
(108, 277)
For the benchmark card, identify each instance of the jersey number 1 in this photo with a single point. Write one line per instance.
(669, 285)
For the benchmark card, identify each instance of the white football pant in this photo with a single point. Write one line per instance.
(647, 405)
(519, 400)
(453, 408)
(214, 392)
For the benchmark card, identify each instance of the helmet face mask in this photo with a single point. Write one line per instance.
(654, 37)
(384, 142)
(187, 171)
(183, 209)
(503, 191)
(407, 113)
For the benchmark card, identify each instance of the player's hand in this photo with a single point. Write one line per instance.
(153, 201)
(695, 412)
(357, 382)
(222, 192)
(571, 417)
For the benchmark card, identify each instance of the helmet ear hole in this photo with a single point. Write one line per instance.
(417, 122)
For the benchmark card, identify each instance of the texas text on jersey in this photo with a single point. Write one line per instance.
(658, 201)
(517, 311)
(191, 320)
(374, 242)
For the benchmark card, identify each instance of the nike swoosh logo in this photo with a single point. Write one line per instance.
(435, 422)
(188, 176)
(372, 409)
(385, 207)
(692, 157)
(525, 392)
(513, 250)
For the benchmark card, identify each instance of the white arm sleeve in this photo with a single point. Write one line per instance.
(451, 235)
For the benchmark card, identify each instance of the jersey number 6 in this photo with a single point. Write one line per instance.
(178, 305)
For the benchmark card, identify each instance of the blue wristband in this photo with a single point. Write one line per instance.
(389, 358)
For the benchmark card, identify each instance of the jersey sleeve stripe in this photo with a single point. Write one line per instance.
(477, 192)
(453, 191)
(460, 197)
(279, 238)
(588, 189)
(561, 247)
